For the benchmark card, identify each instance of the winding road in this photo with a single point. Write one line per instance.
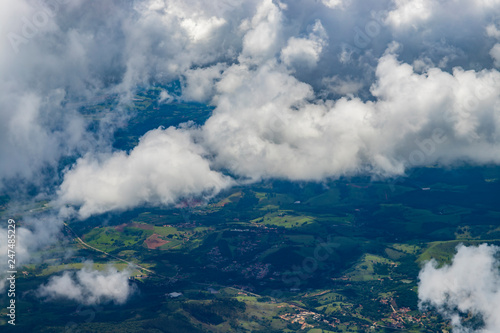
(106, 253)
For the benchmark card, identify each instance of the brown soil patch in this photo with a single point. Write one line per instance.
(154, 241)
(142, 226)
(120, 227)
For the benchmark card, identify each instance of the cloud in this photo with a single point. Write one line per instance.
(495, 54)
(88, 286)
(342, 87)
(333, 3)
(33, 235)
(201, 29)
(165, 97)
(263, 33)
(165, 167)
(199, 84)
(418, 14)
(305, 51)
(268, 124)
(470, 284)
(493, 31)
(407, 12)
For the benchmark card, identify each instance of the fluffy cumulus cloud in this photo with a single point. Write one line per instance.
(416, 14)
(408, 12)
(333, 3)
(262, 33)
(469, 285)
(492, 30)
(199, 84)
(305, 51)
(265, 125)
(165, 167)
(495, 54)
(89, 286)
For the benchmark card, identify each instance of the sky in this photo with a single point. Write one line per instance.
(301, 90)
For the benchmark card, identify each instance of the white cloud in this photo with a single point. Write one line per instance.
(88, 286)
(199, 84)
(343, 87)
(470, 284)
(408, 12)
(495, 54)
(33, 235)
(487, 3)
(267, 125)
(334, 3)
(300, 52)
(165, 167)
(165, 97)
(201, 30)
(493, 31)
(263, 33)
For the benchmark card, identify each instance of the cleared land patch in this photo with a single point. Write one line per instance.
(154, 241)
